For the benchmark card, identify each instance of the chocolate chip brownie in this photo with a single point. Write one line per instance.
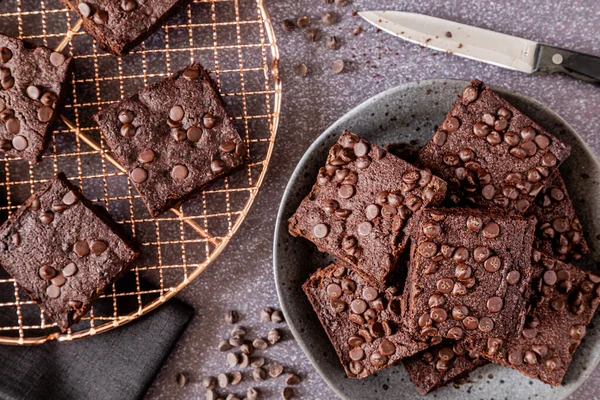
(469, 272)
(363, 323)
(440, 364)
(360, 204)
(491, 154)
(564, 301)
(120, 25)
(32, 80)
(63, 251)
(173, 138)
(558, 232)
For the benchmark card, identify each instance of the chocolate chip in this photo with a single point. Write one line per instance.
(334, 290)
(303, 22)
(146, 156)
(515, 357)
(470, 94)
(445, 285)
(438, 314)
(332, 43)
(275, 370)
(313, 34)
(369, 293)
(338, 66)
(128, 5)
(19, 143)
(577, 332)
(436, 300)
(81, 248)
(288, 25)
(460, 312)
(8, 82)
(57, 59)
(47, 217)
(70, 269)
(33, 92)
(180, 171)
(287, 393)
(461, 254)
(549, 160)
(176, 113)
(259, 374)
(236, 378)
(301, 70)
(495, 304)
(127, 130)
(13, 126)
(100, 17)
(277, 317)
(439, 139)
(53, 291)
(292, 379)
(471, 323)
(358, 306)
(98, 247)
(223, 380)
(232, 359)
(139, 175)
(84, 9)
(46, 272)
(273, 336)
(320, 231)
(492, 264)
(427, 249)
(5, 54)
(491, 230)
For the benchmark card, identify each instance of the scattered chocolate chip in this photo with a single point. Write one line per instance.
(259, 374)
(277, 317)
(303, 22)
(273, 336)
(332, 43)
(287, 392)
(328, 18)
(209, 382)
(301, 70)
(224, 345)
(275, 370)
(181, 379)
(223, 380)
(313, 35)
(292, 379)
(288, 25)
(265, 314)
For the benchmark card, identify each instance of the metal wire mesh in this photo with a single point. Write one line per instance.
(234, 40)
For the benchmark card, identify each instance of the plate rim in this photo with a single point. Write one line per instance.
(584, 375)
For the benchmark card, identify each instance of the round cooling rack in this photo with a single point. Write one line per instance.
(234, 40)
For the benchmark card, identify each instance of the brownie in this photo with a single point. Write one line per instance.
(120, 25)
(491, 154)
(173, 138)
(558, 231)
(363, 323)
(32, 80)
(468, 275)
(564, 301)
(63, 251)
(360, 204)
(440, 364)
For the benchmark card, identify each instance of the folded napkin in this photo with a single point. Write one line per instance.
(120, 364)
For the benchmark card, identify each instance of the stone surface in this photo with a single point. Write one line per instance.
(391, 62)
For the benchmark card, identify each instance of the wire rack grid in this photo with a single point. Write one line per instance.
(234, 40)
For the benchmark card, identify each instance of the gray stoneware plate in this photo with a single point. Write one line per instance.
(409, 114)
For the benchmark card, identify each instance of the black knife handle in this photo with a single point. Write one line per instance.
(582, 66)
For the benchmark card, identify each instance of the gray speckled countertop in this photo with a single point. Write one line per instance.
(242, 277)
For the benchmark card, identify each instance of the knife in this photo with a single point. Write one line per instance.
(484, 45)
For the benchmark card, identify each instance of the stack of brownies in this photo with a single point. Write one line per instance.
(458, 261)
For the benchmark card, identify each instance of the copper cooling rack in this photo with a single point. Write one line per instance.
(233, 39)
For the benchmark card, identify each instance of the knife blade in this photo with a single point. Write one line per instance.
(484, 45)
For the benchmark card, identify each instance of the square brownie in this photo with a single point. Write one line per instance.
(63, 251)
(491, 154)
(364, 324)
(440, 364)
(173, 138)
(469, 272)
(120, 25)
(563, 303)
(359, 206)
(558, 231)
(33, 87)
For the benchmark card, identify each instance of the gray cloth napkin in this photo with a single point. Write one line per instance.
(119, 364)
